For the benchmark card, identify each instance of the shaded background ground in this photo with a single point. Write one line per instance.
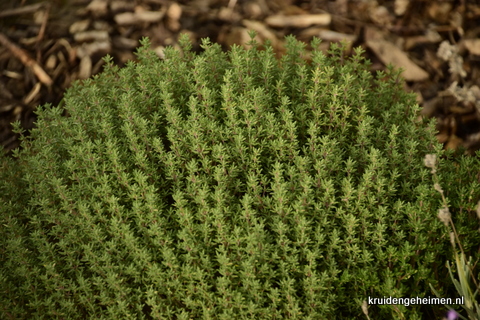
(44, 46)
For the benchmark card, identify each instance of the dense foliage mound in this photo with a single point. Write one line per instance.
(229, 186)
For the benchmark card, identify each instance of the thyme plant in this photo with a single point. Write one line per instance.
(228, 186)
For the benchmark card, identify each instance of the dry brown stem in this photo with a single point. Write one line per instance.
(25, 58)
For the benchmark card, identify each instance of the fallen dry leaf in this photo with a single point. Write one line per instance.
(389, 53)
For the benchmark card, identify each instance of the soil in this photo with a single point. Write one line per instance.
(45, 46)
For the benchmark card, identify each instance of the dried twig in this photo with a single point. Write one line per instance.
(22, 10)
(41, 33)
(26, 60)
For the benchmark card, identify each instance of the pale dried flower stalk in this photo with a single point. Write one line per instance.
(365, 308)
(478, 209)
(452, 239)
(430, 161)
(444, 215)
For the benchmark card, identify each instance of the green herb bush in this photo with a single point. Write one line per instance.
(230, 186)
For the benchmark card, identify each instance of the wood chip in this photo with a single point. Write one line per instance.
(90, 49)
(150, 16)
(122, 6)
(228, 15)
(252, 10)
(102, 25)
(401, 6)
(174, 13)
(329, 35)
(98, 7)
(125, 18)
(129, 18)
(79, 26)
(298, 21)
(473, 46)
(389, 53)
(51, 62)
(93, 35)
(85, 68)
(124, 43)
(381, 16)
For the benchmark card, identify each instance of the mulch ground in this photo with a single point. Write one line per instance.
(44, 46)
